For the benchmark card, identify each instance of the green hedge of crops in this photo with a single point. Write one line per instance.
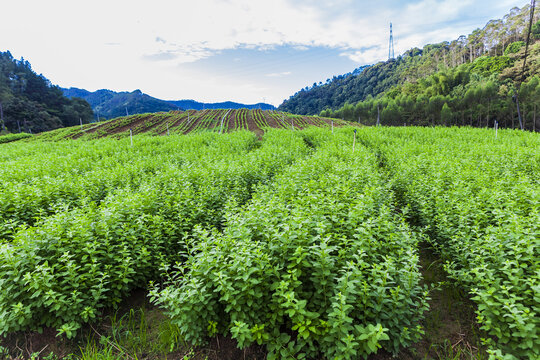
(317, 264)
(69, 266)
(293, 241)
(13, 137)
(477, 198)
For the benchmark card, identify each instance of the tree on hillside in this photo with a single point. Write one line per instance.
(31, 103)
(484, 48)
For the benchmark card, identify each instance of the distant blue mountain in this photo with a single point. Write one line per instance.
(110, 104)
(195, 105)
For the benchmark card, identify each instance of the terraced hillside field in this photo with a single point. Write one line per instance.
(184, 122)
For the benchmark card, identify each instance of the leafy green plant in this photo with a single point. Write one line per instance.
(317, 264)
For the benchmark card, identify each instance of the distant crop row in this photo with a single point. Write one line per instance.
(183, 122)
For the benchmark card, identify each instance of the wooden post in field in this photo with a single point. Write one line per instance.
(332, 121)
(496, 128)
(354, 140)
(131, 136)
(378, 116)
(80, 120)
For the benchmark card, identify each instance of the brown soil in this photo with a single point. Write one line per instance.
(131, 125)
(193, 122)
(252, 125)
(228, 122)
(175, 124)
(22, 345)
(224, 348)
(270, 120)
(112, 128)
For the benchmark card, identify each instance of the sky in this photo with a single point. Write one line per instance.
(247, 51)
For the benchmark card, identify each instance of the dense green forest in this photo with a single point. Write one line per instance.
(469, 81)
(475, 94)
(30, 103)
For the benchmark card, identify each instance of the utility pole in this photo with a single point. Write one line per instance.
(391, 44)
(521, 78)
(378, 116)
(127, 114)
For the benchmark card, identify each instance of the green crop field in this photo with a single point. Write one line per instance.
(184, 122)
(306, 243)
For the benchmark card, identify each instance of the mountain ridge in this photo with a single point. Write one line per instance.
(108, 104)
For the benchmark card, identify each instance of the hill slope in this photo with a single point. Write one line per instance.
(110, 104)
(414, 65)
(184, 122)
(30, 103)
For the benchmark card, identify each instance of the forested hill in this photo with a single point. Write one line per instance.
(30, 103)
(109, 104)
(415, 64)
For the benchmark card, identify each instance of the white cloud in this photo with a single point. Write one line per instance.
(279, 74)
(133, 44)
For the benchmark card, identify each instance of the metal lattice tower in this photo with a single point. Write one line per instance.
(391, 44)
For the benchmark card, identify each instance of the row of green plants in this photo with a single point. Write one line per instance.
(208, 121)
(476, 198)
(64, 271)
(280, 119)
(13, 137)
(180, 122)
(315, 120)
(170, 123)
(240, 119)
(194, 122)
(41, 179)
(186, 122)
(259, 119)
(295, 242)
(317, 265)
